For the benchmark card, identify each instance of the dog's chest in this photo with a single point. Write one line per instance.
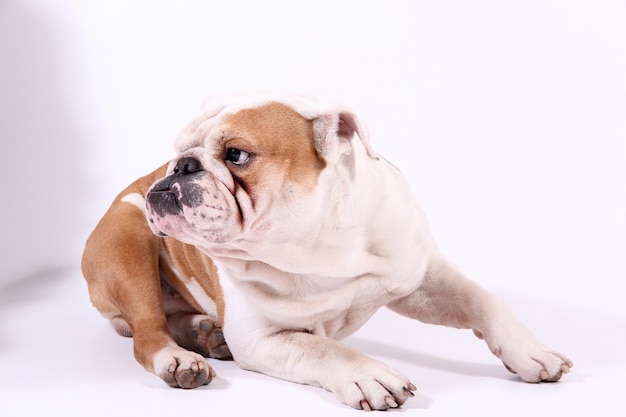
(322, 306)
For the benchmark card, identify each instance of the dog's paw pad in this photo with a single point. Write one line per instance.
(208, 339)
(194, 376)
(180, 368)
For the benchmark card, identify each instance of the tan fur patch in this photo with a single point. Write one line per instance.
(183, 264)
(280, 141)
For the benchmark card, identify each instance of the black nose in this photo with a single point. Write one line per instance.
(165, 199)
(187, 165)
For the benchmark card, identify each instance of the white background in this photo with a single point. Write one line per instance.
(508, 118)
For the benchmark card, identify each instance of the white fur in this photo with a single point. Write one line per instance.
(136, 200)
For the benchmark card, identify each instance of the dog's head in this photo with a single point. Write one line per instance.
(250, 166)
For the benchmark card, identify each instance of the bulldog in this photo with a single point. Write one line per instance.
(273, 234)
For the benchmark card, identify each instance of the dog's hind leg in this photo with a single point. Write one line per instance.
(121, 326)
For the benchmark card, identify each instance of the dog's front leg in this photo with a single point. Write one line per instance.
(121, 266)
(355, 379)
(448, 298)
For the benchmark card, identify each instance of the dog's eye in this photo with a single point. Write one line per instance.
(237, 156)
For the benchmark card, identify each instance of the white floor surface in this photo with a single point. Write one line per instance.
(58, 357)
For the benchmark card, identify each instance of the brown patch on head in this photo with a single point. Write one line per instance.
(281, 147)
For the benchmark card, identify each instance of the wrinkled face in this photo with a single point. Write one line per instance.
(233, 174)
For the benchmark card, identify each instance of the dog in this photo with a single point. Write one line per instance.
(276, 231)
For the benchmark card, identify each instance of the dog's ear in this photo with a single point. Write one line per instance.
(334, 131)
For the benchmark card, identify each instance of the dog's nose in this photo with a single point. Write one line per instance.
(187, 165)
(169, 195)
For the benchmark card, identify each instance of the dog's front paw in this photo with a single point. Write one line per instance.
(180, 368)
(371, 385)
(534, 362)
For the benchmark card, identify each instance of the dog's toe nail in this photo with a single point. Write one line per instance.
(391, 402)
(365, 405)
(509, 368)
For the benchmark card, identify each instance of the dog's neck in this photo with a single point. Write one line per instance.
(345, 231)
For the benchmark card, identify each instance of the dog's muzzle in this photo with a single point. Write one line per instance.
(171, 194)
